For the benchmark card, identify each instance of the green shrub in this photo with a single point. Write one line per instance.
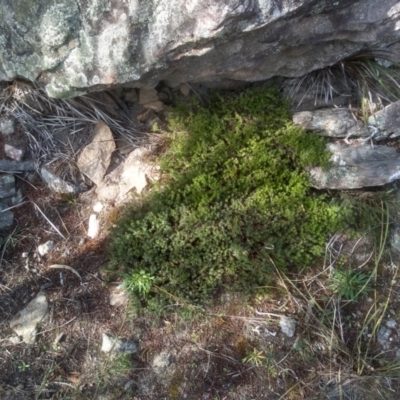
(233, 202)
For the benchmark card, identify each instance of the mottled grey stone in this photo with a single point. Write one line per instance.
(16, 166)
(357, 167)
(112, 344)
(332, 122)
(387, 121)
(75, 46)
(57, 184)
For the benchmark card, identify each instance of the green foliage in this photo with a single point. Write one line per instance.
(139, 282)
(254, 357)
(234, 201)
(349, 284)
(121, 365)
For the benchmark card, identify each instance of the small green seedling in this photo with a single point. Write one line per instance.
(254, 357)
(139, 282)
(349, 285)
(22, 366)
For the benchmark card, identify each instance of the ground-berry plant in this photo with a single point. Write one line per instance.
(234, 202)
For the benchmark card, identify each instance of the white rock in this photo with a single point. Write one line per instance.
(288, 326)
(44, 248)
(14, 339)
(98, 207)
(95, 158)
(13, 153)
(7, 126)
(112, 344)
(94, 226)
(162, 361)
(131, 174)
(25, 322)
(118, 297)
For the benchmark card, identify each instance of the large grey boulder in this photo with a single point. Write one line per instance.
(75, 46)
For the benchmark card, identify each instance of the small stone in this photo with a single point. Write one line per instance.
(13, 153)
(147, 96)
(288, 326)
(98, 207)
(25, 322)
(7, 185)
(94, 226)
(95, 158)
(112, 344)
(162, 361)
(7, 126)
(57, 184)
(157, 106)
(384, 337)
(184, 89)
(391, 323)
(44, 248)
(128, 385)
(14, 339)
(118, 297)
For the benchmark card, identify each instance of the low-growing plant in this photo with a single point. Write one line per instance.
(349, 284)
(139, 282)
(254, 357)
(234, 200)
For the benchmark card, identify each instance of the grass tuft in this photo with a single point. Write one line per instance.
(364, 79)
(58, 129)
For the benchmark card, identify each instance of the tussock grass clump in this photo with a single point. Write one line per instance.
(57, 129)
(369, 80)
(234, 201)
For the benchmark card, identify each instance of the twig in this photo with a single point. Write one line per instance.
(41, 212)
(60, 266)
(56, 327)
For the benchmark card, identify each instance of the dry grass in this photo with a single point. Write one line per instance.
(58, 129)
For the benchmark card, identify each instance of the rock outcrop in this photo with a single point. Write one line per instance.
(74, 46)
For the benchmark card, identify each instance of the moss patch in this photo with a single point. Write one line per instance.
(235, 201)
